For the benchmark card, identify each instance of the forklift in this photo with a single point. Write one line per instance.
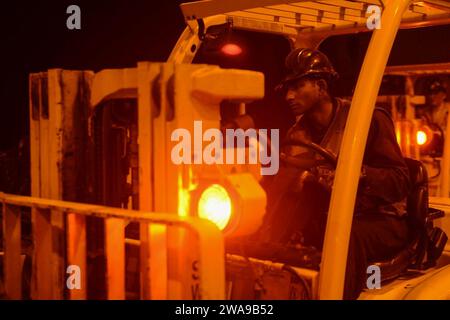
(105, 138)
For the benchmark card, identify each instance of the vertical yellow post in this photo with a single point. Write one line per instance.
(161, 239)
(46, 110)
(147, 75)
(153, 166)
(115, 258)
(339, 223)
(42, 242)
(212, 261)
(12, 246)
(53, 176)
(158, 262)
(76, 252)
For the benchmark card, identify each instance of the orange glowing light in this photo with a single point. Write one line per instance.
(421, 137)
(231, 49)
(215, 205)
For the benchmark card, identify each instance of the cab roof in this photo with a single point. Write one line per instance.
(330, 16)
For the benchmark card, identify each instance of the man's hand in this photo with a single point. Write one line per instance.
(326, 177)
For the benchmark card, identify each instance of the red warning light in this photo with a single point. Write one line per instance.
(231, 49)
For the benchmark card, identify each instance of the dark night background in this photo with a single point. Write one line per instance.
(118, 33)
(113, 33)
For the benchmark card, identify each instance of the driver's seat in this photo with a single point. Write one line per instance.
(426, 241)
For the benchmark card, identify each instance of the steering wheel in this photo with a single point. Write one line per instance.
(302, 163)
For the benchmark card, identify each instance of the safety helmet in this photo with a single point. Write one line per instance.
(434, 85)
(302, 62)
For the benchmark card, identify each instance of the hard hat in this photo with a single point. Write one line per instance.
(434, 86)
(302, 62)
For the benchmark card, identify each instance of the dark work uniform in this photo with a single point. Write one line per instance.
(379, 229)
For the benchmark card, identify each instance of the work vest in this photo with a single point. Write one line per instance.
(332, 142)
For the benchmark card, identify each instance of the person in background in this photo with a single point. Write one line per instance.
(435, 111)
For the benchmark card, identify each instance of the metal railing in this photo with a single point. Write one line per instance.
(211, 265)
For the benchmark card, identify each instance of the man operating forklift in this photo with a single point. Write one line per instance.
(298, 196)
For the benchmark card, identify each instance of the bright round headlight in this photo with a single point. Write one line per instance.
(215, 205)
(421, 137)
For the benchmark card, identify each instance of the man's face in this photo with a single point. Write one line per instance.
(435, 99)
(302, 95)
